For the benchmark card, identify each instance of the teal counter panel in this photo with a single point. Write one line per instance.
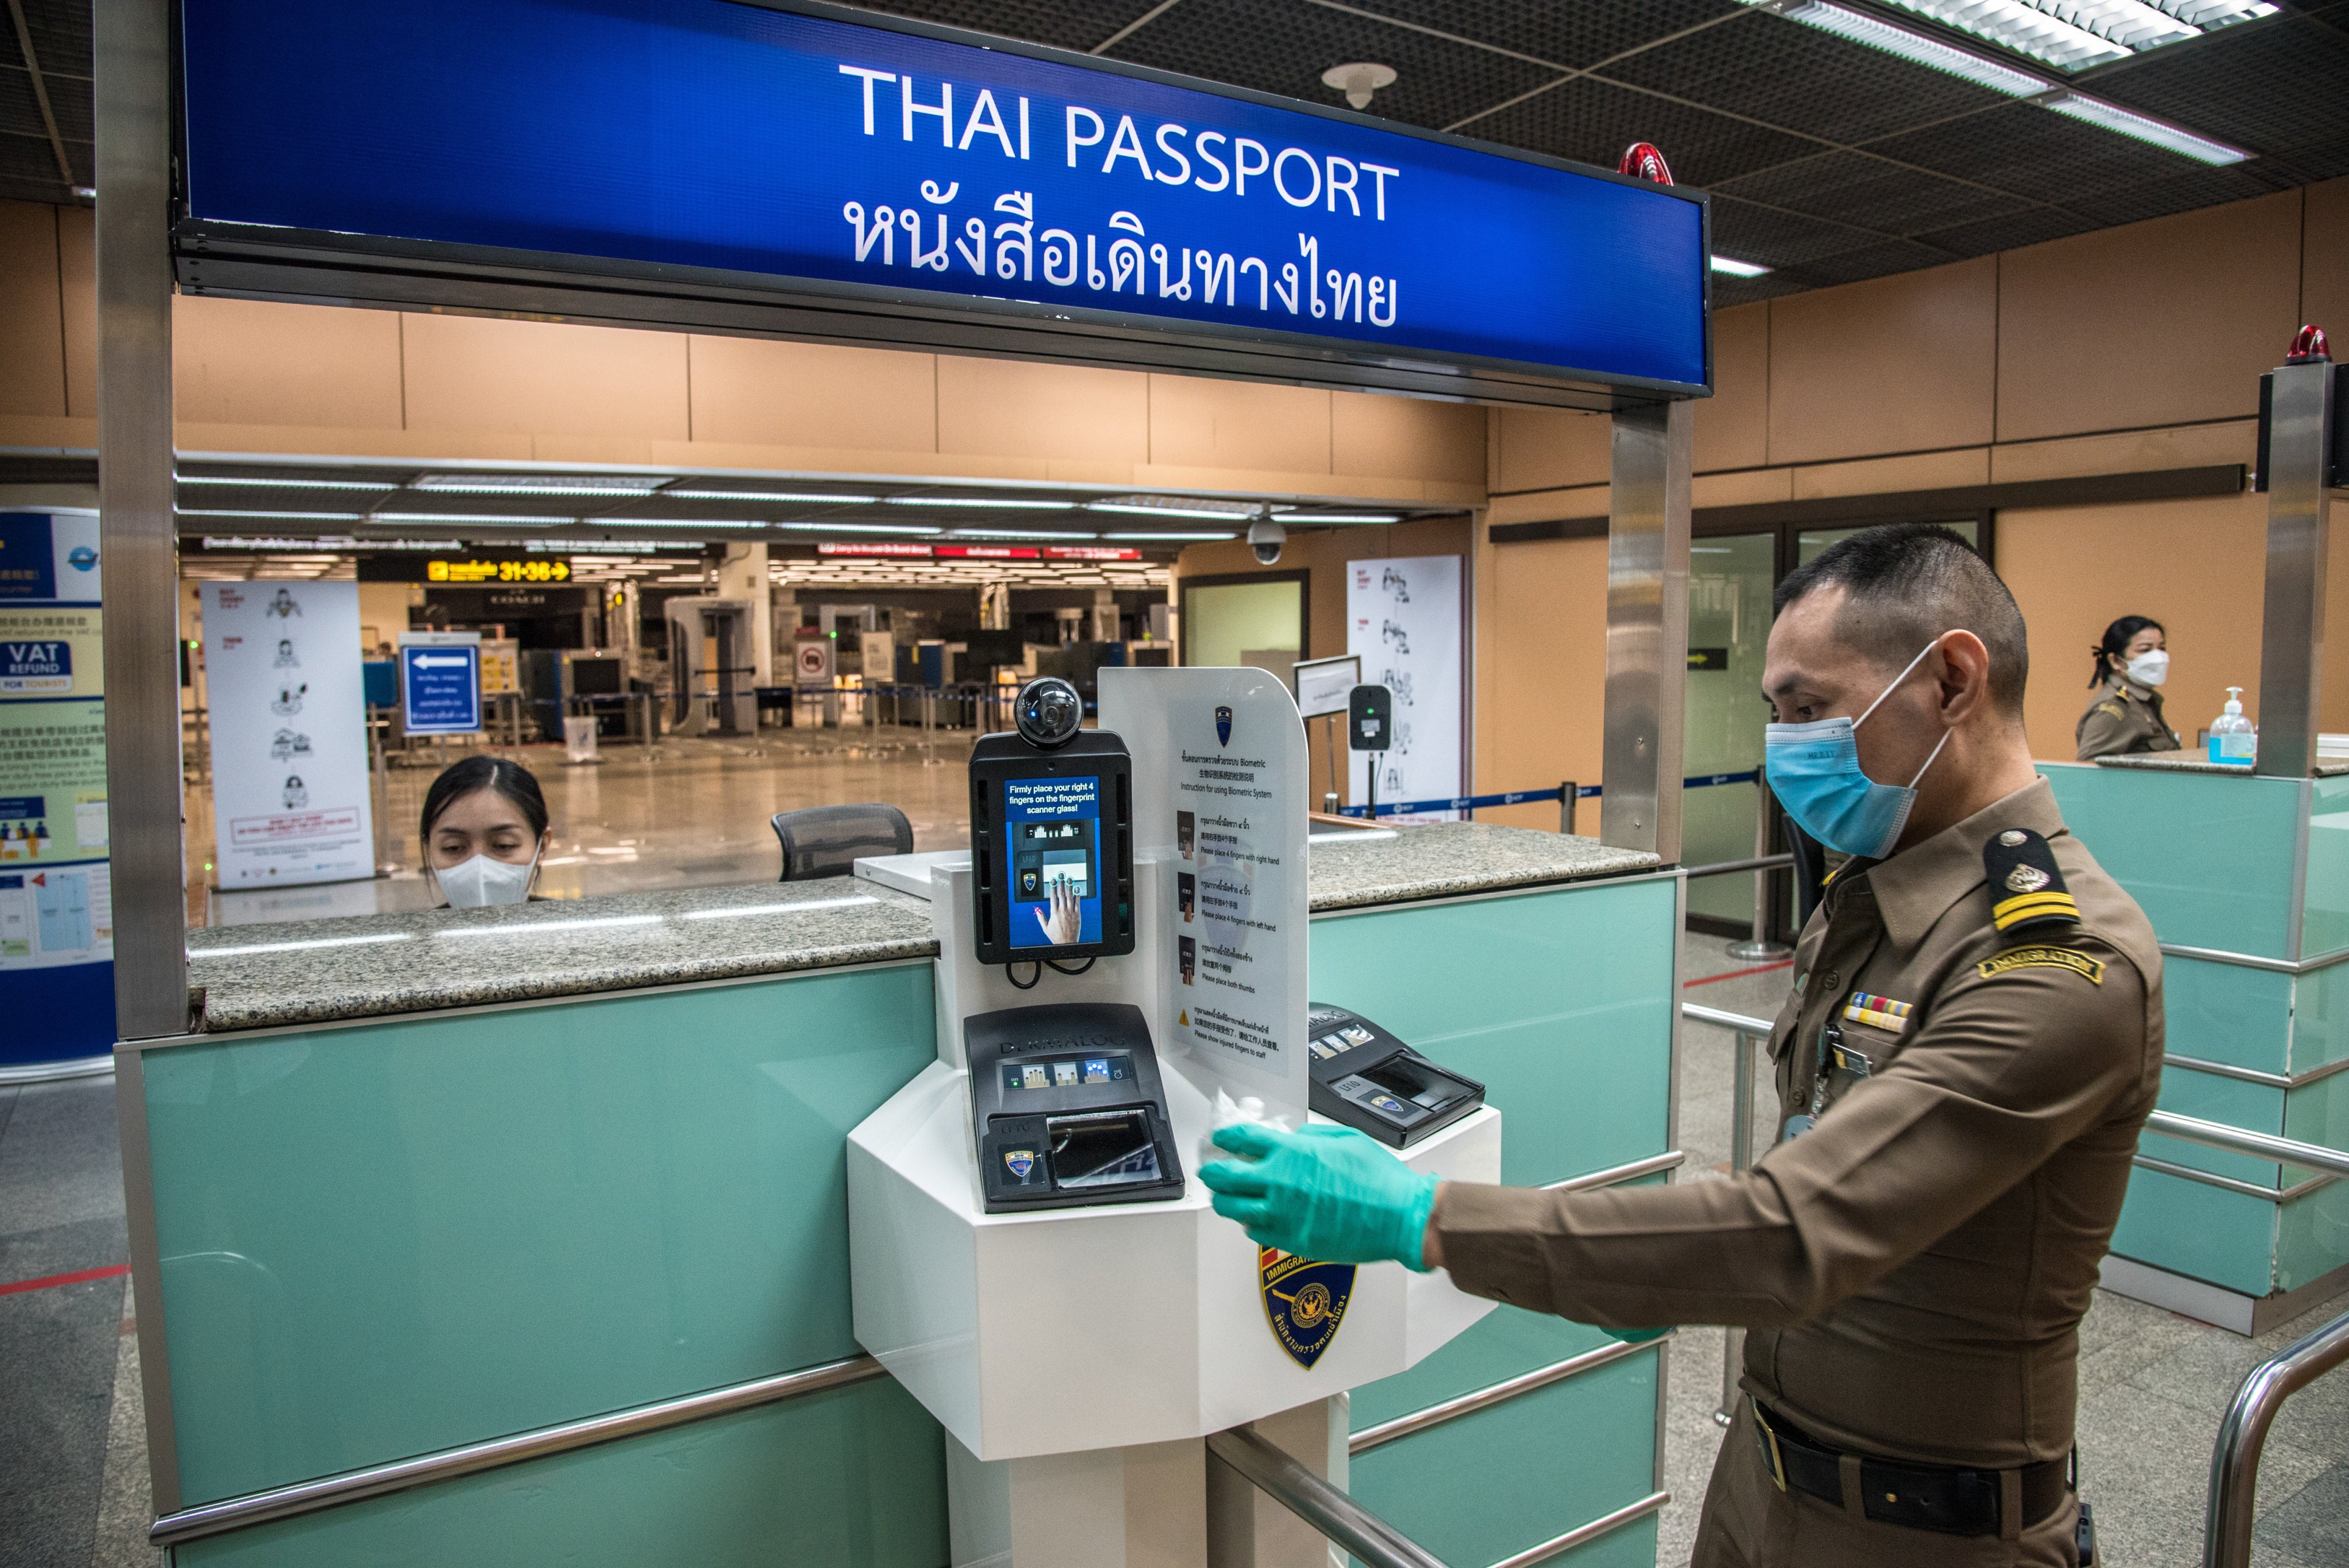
(1560, 1002)
(2231, 1102)
(2320, 1018)
(2228, 1013)
(1507, 1342)
(1485, 1487)
(2326, 927)
(391, 1239)
(851, 1478)
(2209, 858)
(2203, 1232)
(2313, 1236)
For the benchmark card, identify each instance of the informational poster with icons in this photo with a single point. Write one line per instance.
(57, 920)
(1219, 781)
(282, 668)
(1402, 619)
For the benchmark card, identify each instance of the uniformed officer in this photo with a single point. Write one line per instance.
(2125, 715)
(1972, 1041)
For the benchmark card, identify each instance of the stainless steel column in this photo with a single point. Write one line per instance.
(1646, 628)
(137, 538)
(2291, 637)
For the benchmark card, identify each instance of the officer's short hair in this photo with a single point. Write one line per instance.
(1907, 583)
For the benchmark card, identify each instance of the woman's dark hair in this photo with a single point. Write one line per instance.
(2117, 637)
(509, 780)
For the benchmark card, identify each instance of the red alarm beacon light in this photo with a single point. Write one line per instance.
(1642, 161)
(2308, 346)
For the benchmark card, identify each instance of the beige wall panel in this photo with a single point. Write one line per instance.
(334, 440)
(2197, 566)
(1732, 425)
(760, 391)
(1541, 662)
(2159, 323)
(48, 495)
(32, 317)
(1407, 437)
(472, 373)
(1010, 408)
(1547, 448)
(1543, 505)
(2325, 263)
(861, 462)
(1894, 365)
(1349, 488)
(2131, 451)
(384, 607)
(78, 274)
(1754, 487)
(1195, 422)
(253, 362)
(1891, 476)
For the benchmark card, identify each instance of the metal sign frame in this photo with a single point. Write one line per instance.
(251, 260)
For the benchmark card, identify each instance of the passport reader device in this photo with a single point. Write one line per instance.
(1051, 834)
(1366, 1079)
(1067, 1109)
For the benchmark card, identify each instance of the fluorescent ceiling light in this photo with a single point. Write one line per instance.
(998, 503)
(685, 522)
(779, 908)
(304, 516)
(1158, 506)
(2144, 128)
(861, 527)
(1133, 538)
(1914, 48)
(1017, 533)
(541, 484)
(1289, 516)
(537, 519)
(287, 484)
(2072, 35)
(1163, 511)
(532, 928)
(299, 946)
(1737, 269)
(810, 497)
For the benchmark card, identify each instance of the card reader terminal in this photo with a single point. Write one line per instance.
(1368, 1080)
(1067, 1109)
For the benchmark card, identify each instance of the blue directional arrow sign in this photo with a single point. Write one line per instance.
(440, 688)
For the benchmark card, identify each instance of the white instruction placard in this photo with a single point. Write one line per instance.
(1219, 779)
(1403, 616)
(290, 798)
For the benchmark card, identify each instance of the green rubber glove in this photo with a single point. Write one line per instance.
(1328, 1193)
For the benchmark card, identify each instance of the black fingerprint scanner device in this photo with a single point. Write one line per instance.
(1370, 718)
(1066, 1108)
(1051, 834)
(1368, 1080)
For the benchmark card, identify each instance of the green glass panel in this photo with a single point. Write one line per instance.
(2208, 857)
(2312, 1239)
(1505, 1342)
(851, 1478)
(391, 1239)
(2208, 1097)
(1482, 1488)
(2320, 1018)
(2227, 1013)
(2325, 901)
(2318, 1113)
(2203, 1232)
(1730, 578)
(1223, 621)
(1559, 1003)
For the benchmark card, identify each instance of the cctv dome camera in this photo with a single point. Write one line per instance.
(1265, 538)
(1048, 712)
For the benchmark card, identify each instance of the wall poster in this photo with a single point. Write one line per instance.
(290, 798)
(56, 918)
(1403, 616)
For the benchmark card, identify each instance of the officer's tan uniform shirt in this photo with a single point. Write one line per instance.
(2125, 717)
(1916, 1265)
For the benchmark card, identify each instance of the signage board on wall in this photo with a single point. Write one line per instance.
(1402, 618)
(903, 183)
(288, 706)
(56, 921)
(440, 683)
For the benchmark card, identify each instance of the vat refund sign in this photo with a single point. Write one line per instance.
(798, 148)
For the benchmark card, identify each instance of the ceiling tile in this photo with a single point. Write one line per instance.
(2022, 148)
(1797, 77)
(20, 112)
(1872, 262)
(1284, 45)
(1594, 121)
(1579, 35)
(2265, 86)
(1728, 291)
(1068, 24)
(61, 35)
(2031, 226)
(2179, 191)
(1853, 188)
(1777, 239)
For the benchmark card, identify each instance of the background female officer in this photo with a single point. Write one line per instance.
(2126, 712)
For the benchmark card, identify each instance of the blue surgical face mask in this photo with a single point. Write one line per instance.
(1814, 770)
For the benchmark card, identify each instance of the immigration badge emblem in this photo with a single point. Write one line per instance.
(1223, 725)
(1304, 1302)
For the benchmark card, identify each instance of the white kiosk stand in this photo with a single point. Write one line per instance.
(1079, 1356)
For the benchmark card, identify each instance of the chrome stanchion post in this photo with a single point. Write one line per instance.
(1741, 1159)
(1568, 793)
(1760, 946)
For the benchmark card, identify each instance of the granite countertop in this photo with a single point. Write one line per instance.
(301, 971)
(2192, 762)
(1444, 860)
(256, 976)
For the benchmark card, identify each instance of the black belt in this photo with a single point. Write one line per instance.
(1947, 1498)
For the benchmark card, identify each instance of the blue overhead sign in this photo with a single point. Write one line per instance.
(895, 163)
(440, 688)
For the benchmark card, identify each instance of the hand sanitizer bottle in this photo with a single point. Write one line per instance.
(2233, 738)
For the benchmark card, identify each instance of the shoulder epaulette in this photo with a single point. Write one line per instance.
(2026, 890)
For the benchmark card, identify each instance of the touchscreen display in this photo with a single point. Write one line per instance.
(1052, 836)
(1075, 1072)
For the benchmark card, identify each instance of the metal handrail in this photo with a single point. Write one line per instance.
(1330, 1511)
(2243, 1433)
(1750, 863)
(2240, 1140)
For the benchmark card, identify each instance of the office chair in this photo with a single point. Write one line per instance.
(825, 841)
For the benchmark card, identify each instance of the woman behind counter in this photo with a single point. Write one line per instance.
(484, 829)
(2125, 715)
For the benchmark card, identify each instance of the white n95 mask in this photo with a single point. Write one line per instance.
(482, 881)
(2150, 667)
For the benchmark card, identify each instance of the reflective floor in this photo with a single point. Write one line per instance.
(686, 813)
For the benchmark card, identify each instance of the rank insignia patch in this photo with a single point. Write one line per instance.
(2078, 963)
(2026, 889)
(1304, 1302)
(1879, 1011)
